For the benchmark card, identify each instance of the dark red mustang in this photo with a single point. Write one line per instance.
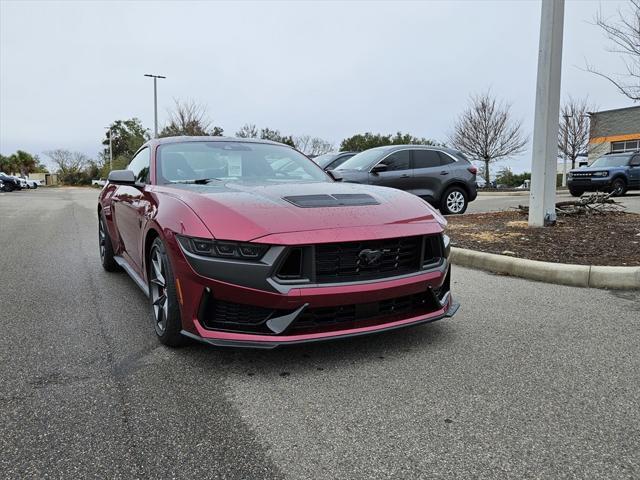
(249, 243)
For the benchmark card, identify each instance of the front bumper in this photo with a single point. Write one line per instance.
(589, 183)
(271, 342)
(303, 313)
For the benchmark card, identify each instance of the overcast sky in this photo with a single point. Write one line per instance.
(328, 69)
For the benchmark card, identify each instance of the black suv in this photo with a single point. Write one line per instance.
(442, 176)
(613, 172)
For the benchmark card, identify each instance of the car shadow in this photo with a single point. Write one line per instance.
(288, 360)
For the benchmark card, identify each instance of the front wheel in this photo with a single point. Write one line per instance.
(165, 311)
(618, 187)
(454, 201)
(106, 247)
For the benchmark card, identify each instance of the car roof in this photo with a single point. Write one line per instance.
(182, 139)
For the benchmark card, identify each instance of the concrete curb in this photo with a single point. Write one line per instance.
(616, 278)
(523, 193)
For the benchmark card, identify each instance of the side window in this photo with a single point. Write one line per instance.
(398, 161)
(140, 166)
(445, 159)
(426, 159)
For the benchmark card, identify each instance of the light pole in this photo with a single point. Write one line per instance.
(542, 205)
(155, 101)
(110, 148)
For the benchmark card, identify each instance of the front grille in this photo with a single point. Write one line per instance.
(370, 313)
(223, 315)
(342, 262)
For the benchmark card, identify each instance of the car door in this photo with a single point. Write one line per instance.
(634, 171)
(430, 173)
(397, 173)
(130, 203)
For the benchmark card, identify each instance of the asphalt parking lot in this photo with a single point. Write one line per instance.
(528, 380)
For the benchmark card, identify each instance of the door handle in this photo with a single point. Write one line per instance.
(444, 172)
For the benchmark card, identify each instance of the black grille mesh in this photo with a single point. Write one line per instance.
(340, 262)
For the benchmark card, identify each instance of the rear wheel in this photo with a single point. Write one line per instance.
(454, 201)
(618, 187)
(575, 192)
(165, 311)
(105, 246)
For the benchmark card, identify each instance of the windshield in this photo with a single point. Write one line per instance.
(234, 161)
(612, 161)
(326, 159)
(364, 160)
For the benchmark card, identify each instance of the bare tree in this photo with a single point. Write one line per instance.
(624, 35)
(189, 118)
(248, 130)
(487, 132)
(312, 145)
(573, 136)
(71, 166)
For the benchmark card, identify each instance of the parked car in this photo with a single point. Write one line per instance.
(11, 183)
(232, 250)
(614, 172)
(481, 182)
(1, 186)
(442, 176)
(100, 182)
(30, 183)
(332, 160)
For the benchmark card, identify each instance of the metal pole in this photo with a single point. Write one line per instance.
(110, 149)
(155, 106)
(545, 131)
(155, 101)
(564, 154)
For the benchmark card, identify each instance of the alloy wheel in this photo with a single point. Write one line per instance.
(160, 301)
(102, 238)
(455, 202)
(618, 188)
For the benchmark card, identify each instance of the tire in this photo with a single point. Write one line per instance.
(163, 300)
(576, 193)
(618, 187)
(105, 246)
(454, 201)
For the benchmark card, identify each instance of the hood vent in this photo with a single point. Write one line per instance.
(335, 200)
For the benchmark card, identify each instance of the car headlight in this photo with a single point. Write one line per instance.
(569, 175)
(600, 174)
(223, 249)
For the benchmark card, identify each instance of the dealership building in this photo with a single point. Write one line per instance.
(614, 131)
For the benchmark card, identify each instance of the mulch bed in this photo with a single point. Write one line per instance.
(610, 239)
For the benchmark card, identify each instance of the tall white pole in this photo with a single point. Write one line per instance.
(545, 131)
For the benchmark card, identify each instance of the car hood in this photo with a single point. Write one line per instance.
(244, 211)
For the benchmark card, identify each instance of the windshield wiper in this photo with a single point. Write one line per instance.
(197, 181)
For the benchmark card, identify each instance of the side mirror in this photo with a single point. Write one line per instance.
(381, 167)
(121, 177)
(335, 175)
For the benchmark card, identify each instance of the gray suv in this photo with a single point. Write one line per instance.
(442, 176)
